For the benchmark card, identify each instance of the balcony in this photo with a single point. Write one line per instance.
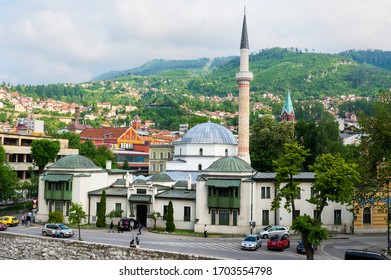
(223, 202)
(58, 195)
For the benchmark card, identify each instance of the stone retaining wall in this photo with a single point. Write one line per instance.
(25, 247)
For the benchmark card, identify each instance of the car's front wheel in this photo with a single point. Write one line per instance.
(44, 233)
(265, 236)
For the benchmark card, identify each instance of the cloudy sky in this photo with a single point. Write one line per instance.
(56, 41)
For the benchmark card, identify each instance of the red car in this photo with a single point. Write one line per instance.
(278, 241)
(3, 226)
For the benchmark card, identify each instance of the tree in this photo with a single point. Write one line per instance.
(101, 221)
(170, 226)
(8, 179)
(335, 181)
(311, 231)
(155, 216)
(267, 139)
(286, 166)
(77, 215)
(44, 151)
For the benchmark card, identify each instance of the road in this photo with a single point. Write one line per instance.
(219, 247)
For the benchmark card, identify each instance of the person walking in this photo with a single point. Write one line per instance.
(120, 227)
(205, 231)
(138, 239)
(139, 228)
(111, 229)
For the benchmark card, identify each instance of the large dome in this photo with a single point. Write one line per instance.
(209, 133)
(73, 162)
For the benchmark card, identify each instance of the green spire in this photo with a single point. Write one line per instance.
(288, 107)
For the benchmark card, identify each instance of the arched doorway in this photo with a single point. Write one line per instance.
(141, 214)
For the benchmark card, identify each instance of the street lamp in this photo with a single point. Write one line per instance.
(388, 206)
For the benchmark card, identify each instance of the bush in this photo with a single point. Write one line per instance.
(170, 226)
(56, 217)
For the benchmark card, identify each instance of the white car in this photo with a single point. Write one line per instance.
(251, 242)
(272, 230)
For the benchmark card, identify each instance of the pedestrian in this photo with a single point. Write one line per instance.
(205, 231)
(138, 239)
(120, 228)
(23, 219)
(111, 226)
(28, 219)
(132, 245)
(139, 229)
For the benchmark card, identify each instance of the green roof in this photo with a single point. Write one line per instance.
(57, 177)
(223, 183)
(74, 162)
(177, 194)
(140, 198)
(161, 177)
(230, 164)
(110, 191)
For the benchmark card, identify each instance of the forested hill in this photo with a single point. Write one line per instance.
(306, 74)
(377, 58)
(157, 66)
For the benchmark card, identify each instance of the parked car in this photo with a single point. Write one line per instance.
(3, 227)
(9, 220)
(251, 242)
(364, 255)
(278, 241)
(129, 223)
(272, 230)
(301, 250)
(57, 230)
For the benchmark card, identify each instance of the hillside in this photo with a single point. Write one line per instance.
(158, 66)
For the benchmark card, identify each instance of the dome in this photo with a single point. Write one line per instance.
(230, 164)
(74, 162)
(209, 133)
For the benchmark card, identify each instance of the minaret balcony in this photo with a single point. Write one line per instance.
(244, 76)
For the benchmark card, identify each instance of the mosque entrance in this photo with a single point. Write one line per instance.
(141, 214)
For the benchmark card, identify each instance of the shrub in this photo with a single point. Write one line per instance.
(56, 217)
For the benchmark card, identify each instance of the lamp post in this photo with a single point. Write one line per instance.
(388, 205)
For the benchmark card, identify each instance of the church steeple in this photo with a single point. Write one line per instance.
(287, 113)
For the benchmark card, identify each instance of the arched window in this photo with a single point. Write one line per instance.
(199, 167)
(226, 152)
(154, 155)
(161, 155)
(168, 155)
(201, 151)
(366, 217)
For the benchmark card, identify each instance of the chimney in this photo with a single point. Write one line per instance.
(189, 182)
(108, 164)
(77, 115)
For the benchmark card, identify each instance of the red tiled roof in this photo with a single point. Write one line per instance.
(99, 133)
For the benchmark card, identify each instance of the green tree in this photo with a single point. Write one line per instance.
(154, 216)
(44, 151)
(56, 217)
(312, 233)
(287, 166)
(73, 139)
(101, 221)
(102, 155)
(335, 181)
(170, 225)
(88, 149)
(267, 139)
(77, 215)
(9, 179)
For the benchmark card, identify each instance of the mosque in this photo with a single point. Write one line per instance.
(210, 181)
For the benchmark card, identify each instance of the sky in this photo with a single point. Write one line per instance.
(72, 41)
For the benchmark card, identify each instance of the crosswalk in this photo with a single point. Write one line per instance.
(230, 246)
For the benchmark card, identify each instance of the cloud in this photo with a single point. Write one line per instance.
(49, 41)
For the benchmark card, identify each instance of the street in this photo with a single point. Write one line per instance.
(220, 247)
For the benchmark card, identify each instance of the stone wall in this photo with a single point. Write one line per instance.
(25, 247)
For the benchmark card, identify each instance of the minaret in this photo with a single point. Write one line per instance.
(244, 77)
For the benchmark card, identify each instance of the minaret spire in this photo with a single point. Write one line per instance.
(244, 77)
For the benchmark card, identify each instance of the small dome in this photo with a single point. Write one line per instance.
(161, 177)
(209, 133)
(230, 164)
(74, 162)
